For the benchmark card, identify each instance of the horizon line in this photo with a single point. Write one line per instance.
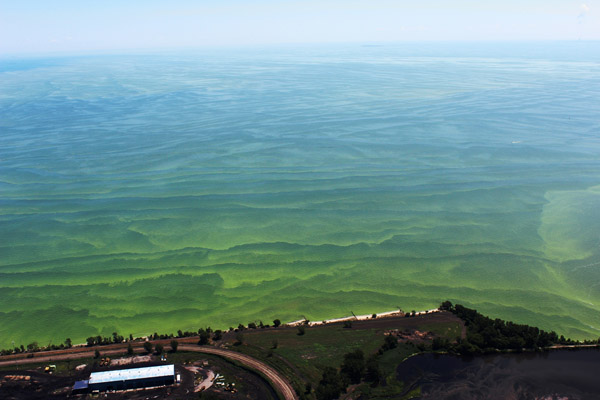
(248, 46)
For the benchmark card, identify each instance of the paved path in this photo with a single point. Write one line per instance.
(279, 382)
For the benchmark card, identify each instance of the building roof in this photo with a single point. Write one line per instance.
(79, 385)
(131, 374)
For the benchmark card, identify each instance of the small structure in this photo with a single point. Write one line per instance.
(126, 379)
(80, 387)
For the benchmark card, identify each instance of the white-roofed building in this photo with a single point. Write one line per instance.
(134, 378)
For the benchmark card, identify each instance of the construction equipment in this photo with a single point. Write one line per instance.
(50, 368)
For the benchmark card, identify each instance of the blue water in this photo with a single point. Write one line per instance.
(213, 187)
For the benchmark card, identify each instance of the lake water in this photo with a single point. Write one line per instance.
(564, 375)
(171, 191)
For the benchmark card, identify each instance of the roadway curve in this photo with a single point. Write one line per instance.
(278, 382)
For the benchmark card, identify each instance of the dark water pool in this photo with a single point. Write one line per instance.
(564, 375)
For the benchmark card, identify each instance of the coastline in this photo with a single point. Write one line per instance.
(364, 317)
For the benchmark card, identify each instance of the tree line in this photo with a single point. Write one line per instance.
(204, 334)
(486, 335)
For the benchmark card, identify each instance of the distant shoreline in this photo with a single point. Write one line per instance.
(393, 313)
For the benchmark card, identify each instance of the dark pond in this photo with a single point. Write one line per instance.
(564, 374)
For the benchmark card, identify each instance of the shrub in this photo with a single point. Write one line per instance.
(148, 347)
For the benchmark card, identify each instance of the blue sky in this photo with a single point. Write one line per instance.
(30, 26)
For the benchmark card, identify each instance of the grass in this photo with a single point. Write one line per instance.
(317, 348)
(447, 330)
(302, 357)
(63, 368)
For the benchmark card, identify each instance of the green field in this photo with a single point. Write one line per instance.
(302, 357)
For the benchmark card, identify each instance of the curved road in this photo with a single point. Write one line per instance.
(279, 382)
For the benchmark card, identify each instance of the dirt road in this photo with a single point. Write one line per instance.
(279, 382)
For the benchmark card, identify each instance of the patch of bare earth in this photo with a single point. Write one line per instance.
(131, 360)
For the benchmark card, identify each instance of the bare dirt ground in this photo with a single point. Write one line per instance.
(44, 386)
(203, 378)
(130, 360)
(411, 336)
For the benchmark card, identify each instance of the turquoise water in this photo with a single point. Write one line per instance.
(156, 192)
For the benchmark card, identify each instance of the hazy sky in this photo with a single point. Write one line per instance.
(71, 25)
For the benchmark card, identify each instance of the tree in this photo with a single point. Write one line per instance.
(148, 347)
(174, 345)
(373, 373)
(354, 366)
(390, 342)
(90, 341)
(331, 385)
(204, 337)
(276, 323)
(130, 349)
(97, 353)
(159, 348)
(241, 327)
(68, 343)
(307, 388)
(251, 325)
(218, 335)
(33, 346)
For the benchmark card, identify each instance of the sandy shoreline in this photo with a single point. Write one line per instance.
(394, 313)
